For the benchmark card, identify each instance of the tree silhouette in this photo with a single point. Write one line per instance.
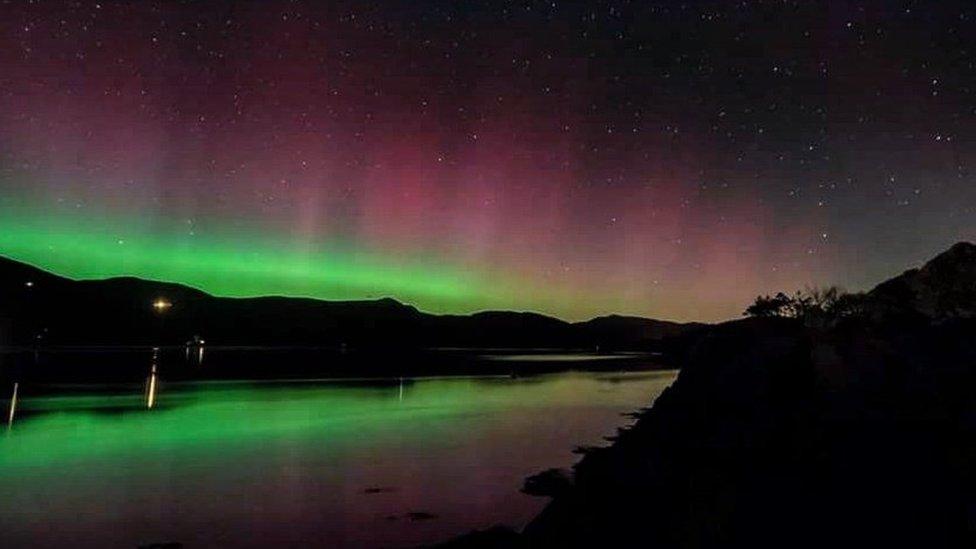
(810, 305)
(765, 306)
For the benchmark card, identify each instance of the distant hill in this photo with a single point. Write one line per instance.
(120, 311)
(943, 287)
(617, 330)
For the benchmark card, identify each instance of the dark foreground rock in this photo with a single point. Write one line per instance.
(856, 431)
(776, 434)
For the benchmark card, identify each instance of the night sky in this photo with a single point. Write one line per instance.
(575, 158)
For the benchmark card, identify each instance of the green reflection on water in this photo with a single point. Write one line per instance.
(232, 417)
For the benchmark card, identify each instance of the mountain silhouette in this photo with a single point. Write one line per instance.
(944, 287)
(38, 306)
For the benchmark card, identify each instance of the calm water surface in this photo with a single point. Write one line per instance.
(336, 464)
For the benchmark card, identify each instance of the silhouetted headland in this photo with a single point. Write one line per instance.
(825, 420)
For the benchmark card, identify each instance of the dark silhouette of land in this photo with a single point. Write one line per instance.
(823, 419)
(120, 311)
(833, 421)
(68, 318)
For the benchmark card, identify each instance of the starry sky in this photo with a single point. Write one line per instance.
(665, 159)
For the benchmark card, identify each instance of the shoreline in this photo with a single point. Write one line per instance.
(776, 433)
(184, 364)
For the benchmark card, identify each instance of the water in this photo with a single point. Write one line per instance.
(335, 464)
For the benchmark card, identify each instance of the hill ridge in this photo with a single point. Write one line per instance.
(117, 310)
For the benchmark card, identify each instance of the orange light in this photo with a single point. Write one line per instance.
(161, 305)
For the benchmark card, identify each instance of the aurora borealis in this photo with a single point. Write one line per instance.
(665, 159)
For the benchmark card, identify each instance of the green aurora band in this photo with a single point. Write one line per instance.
(247, 263)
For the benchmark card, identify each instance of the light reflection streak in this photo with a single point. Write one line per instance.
(151, 382)
(13, 406)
